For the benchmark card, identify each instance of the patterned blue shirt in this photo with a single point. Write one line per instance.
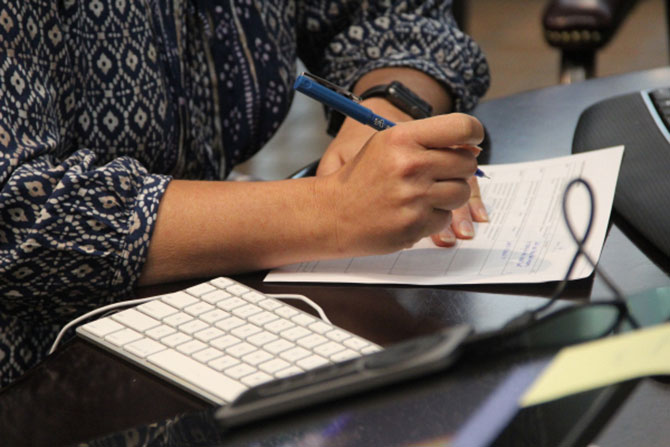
(102, 102)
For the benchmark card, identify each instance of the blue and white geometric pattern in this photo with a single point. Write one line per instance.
(102, 102)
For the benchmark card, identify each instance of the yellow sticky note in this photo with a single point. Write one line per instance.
(603, 362)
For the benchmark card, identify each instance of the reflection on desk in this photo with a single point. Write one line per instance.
(433, 408)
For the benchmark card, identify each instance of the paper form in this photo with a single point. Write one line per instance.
(526, 239)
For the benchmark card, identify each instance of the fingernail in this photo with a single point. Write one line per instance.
(466, 229)
(447, 236)
(481, 213)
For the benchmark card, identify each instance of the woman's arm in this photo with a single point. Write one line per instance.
(400, 187)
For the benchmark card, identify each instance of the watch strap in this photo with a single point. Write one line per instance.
(402, 97)
(397, 94)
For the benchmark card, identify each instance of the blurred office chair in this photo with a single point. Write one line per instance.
(577, 28)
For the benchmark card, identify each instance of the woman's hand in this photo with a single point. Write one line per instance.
(402, 185)
(353, 136)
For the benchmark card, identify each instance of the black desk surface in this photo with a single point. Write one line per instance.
(82, 392)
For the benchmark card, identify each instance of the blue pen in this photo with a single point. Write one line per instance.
(344, 102)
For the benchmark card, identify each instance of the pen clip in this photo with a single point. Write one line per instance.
(329, 85)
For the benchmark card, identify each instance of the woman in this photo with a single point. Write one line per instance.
(116, 115)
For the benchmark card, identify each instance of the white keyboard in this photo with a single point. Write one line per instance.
(220, 337)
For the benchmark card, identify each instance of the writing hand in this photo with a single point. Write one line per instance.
(403, 184)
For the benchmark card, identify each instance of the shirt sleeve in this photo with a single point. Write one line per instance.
(73, 232)
(72, 235)
(342, 41)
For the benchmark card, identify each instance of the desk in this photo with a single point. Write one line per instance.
(81, 392)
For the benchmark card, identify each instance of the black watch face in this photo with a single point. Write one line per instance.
(408, 101)
(401, 97)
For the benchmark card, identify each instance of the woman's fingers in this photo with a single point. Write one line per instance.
(451, 163)
(448, 194)
(461, 226)
(456, 129)
(476, 205)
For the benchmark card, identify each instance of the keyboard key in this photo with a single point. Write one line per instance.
(238, 289)
(278, 346)
(160, 331)
(286, 311)
(256, 378)
(240, 349)
(274, 365)
(279, 325)
(254, 297)
(355, 343)
(224, 362)
(311, 362)
(231, 303)
(198, 308)
(177, 319)
(239, 371)
(328, 349)
(207, 354)
(102, 327)
(370, 349)
(338, 335)
(246, 311)
(229, 323)
(208, 334)
(290, 371)
(262, 318)
(193, 326)
(191, 346)
(175, 339)
(294, 333)
(120, 338)
(144, 347)
(256, 357)
(304, 319)
(200, 375)
(320, 327)
(215, 296)
(224, 341)
(294, 354)
(222, 282)
(157, 309)
(345, 355)
(312, 340)
(246, 331)
(135, 320)
(262, 338)
(179, 299)
(213, 316)
(270, 304)
(201, 289)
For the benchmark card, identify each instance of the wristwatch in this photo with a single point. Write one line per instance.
(397, 94)
(402, 97)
